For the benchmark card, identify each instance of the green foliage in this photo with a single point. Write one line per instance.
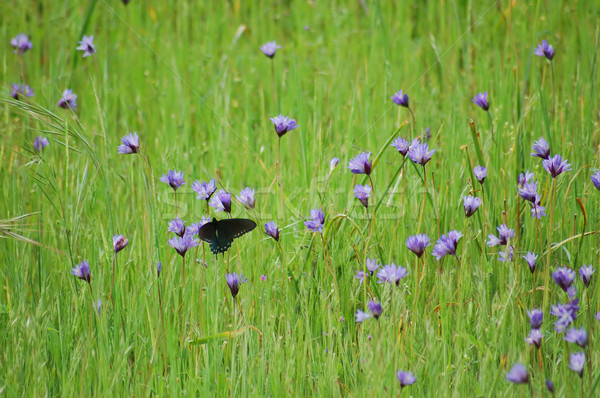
(190, 79)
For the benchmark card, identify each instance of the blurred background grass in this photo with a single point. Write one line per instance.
(190, 79)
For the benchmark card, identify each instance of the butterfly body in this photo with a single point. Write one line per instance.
(219, 234)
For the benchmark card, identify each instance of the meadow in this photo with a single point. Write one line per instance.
(430, 169)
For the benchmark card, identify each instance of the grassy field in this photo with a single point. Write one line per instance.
(190, 79)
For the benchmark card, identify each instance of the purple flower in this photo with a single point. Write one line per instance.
(174, 179)
(203, 189)
(333, 163)
(544, 50)
(263, 277)
(392, 274)
(183, 244)
(361, 316)
(375, 308)
(129, 144)
(446, 245)
(272, 230)
(572, 292)
(194, 228)
(269, 48)
(481, 100)
(98, 305)
(534, 338)
(39, 143)
(158, 269)
(234, 281)
(420, 153)
(537, 211)
(585, 274)
(82, 271)
(504, 235)
(87, 46)
(577, 336)
(362, 193)
(247, 198)
(576, 363)
(480, 173)
(68, 100)
(471, 204)
(563, 277)
(541, 149)
(530, 258)
(506, 255)
(566, 314)
(596, 179)
(405, 378)
(403, 146)
(371, 265)
(19, 89)
(529, 192)
(315, 224)
(360, 164)
(598, 316)
(556, 165)
(283, 124)
(518, 374)
(536, 317)
(21, 43)
(119, 243)
(418, 243)
(221, 201)
(16, 89)
(400, 99)
(524, 178)
(427, 134)
(550, 386)
(177, 226)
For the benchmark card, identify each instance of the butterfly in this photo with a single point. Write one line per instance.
(219, 234)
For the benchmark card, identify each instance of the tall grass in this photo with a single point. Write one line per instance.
(190, 79)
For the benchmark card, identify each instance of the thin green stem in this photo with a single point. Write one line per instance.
(424, 199)
(282, 265)
(112, 285)
(550, 227)
(164, 338)
(414, 124)
(491, 125)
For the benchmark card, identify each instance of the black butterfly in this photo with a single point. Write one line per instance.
(219, 234)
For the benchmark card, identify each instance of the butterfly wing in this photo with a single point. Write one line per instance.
(233, 228)
(208, 232)
(220, 234)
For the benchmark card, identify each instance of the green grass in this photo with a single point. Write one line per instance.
(190, 79)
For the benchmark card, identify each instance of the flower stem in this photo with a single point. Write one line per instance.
(328, 264)
(280, 183)
(183, 260)
(491, 126)
(589, 344)
(483, 245)
(424, 199)
(282, 265)
(414, 125)
(371, 218)
(547, 269)
(162, 321)
(176, 204)
(110, 297)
